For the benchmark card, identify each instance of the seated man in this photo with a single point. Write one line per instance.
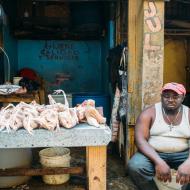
(162, 135)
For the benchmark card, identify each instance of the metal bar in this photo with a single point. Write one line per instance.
(41, 171)
(71, 0)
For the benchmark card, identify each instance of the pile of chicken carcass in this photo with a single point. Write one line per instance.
(51, 117)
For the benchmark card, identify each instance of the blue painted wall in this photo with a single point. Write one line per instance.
(79, 59)
(84, 61)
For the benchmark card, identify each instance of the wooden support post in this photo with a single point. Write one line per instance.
(135, 47)
(145, 60)
(42, 91)
(153, 51)
(96, 167)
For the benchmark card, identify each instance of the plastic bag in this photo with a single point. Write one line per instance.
(8, 89)
(122, 111)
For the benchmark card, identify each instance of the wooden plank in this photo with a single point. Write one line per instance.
(41, 91)
(132, 4)
(131, 149)
(135, 46)
(123, 21)
(135, 36)
(42, 96)
(145, 60)
(11, 99)
(96, 167)
(118, 23)
(41, 171)
(18, 98)
(178, 23)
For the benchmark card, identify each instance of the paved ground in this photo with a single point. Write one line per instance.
(116, 177)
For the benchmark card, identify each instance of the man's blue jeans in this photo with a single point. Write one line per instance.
(142, 170)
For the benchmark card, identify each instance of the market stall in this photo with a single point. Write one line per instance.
(56, 125)
(69, 53)
(94, 139)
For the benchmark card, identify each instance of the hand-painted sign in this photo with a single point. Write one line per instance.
(154, 25)
(58, 51)
(153, 51)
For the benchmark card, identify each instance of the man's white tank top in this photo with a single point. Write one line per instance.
(163, 139)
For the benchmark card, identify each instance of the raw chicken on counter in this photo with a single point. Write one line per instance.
(88, 113)
(51, 117)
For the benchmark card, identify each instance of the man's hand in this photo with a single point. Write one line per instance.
(183, 173)
(163, 172)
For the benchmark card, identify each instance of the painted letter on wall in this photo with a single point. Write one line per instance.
(153, 51)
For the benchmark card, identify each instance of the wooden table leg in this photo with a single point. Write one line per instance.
(96, 167)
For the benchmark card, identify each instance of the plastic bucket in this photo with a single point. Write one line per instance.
(101, 100)
(168, 185)
(14, 158)
(16, 80)
(55, 157)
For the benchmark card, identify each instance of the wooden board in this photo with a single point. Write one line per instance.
(96, 167)
(20, 98)
(135, 46)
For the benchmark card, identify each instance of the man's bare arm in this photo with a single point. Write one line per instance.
(183, 172)
(142, 134)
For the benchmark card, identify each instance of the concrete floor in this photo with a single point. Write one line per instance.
(116, 176)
